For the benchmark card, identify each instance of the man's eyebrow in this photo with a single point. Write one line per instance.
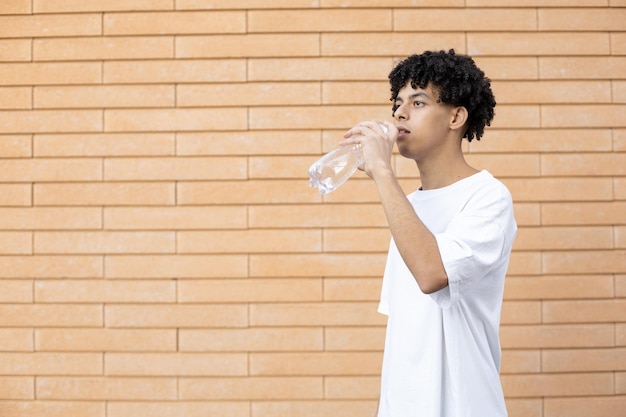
(414, 95)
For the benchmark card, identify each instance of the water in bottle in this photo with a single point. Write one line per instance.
(334, 168)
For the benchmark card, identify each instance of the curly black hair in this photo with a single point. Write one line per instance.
(457, 79)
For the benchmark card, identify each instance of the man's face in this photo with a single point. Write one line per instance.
(422, 121)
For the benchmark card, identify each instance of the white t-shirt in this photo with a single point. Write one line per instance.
(442, 351)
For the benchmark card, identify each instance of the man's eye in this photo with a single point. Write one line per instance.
(417, 103)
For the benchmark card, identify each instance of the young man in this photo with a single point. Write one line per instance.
(451, 242)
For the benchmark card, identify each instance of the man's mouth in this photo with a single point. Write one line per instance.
(403, 131)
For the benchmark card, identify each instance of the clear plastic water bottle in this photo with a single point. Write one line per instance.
(334, 168)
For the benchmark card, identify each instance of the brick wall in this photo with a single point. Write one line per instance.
(162, 255)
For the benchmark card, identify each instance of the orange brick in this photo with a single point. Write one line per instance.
(519, 361)
(50, 25)
(244, 4)
(38, 266)
(354, 339)
(178, 408)
(509, 67)
(620, 286)
(525, 263)
(110, 389)
(523, 407)
(372, 44)
(53, 408)
(585, 406)
(101, 291)
(618, 43)
(538, 43)
(174, 23)
(620, 382)
(506, 165)
(313, 117)
(583, 213)
(315, 408)
(172, 71)
(325, 215)
(255, 388)
(352, 289)
(15, 98)
(104, 242)
(619, 91)
(356, 240)
(104, 194)
(559, 287)
(597, 115)
(517, 116)
(590, 67)
(319, 69)
(315, 314)
(17, 388)
(15, 146)
(620, 188)
(587, 311)
(20, 170)
(40, 315)
(104, 96)
(270, 167)
(543, 140)
(16, 291)
(103, 48)
(249, 290)
(350, 388)
(176, 266)
(310, 265)
(15, 195)
(248, 142)
(620, 237)
(247, 192)
(168, 315)
(581, 19)
(16, 7)
(163, 120)
(105, 340)
(558, 385)
(521, 312)
(251, 339)
(560, 189)
(584, 262)
(320, 20)
(309, 364)
(16, 340)
(105, 144)
(584, 165)
(557, 336)
(535, 238)
(552, 91)
(248, 45)
(175, 168)
(348, 92)
(167, 218)
(584, 360)
(435, 20)
(57, 6)
(248, 94)
(16, 243)
(176, 364)
(45, 218)
(51, 364)
(40, 121)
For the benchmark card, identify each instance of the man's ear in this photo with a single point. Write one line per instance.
(459, 117)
